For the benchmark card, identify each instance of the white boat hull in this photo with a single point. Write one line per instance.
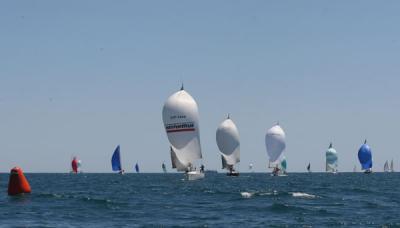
(195, 175)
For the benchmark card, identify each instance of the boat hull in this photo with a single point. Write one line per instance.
(233, 174)
(195, 175)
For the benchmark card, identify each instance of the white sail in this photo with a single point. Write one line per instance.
(181, 121)
(275, 143)
(331, 159)
(391, 166)
(227, 137)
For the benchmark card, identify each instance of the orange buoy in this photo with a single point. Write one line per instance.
(18, 184)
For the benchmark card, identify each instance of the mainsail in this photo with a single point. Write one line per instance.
(116, 160)
(391, 166)
(275, 143)
(181, 122)
(365, 156)
(331, 159)
(386, 167)
(137, 167)
(227, 137)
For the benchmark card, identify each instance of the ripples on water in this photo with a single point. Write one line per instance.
(110, 200)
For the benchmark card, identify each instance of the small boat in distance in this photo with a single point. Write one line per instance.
(309, 167)
(164, 167)
(386, 167)
(181, 121)
(354, 169)
(75, 165)
(275, 145)
(283, 167)
(331, 160)
(228, 143)
(365, 157)
(137, 167)
(251, 167)
(116, 161)
(391, 166)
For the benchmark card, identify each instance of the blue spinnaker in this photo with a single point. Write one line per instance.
(365, 156)
(116, 160)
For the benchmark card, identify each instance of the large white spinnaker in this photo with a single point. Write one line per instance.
(331, 159)
(275, 144)
(228, 142)
(181, 122)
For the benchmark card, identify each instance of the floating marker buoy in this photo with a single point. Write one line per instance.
(18, 184)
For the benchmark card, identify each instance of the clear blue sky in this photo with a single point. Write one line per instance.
(80, 77)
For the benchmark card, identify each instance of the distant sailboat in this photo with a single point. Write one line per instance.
(137, 168)
(251, 167)
(365, 157)
(75, 165)
(309, 167)
(227, 137)
(354, 169)
(275, 144)
(164, 167)
(181, 122)
(331, 160)
(283, 166)
(386, 167)
(116, 161)
(391, 166)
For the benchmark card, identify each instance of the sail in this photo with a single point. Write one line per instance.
(228, 143)
(74, 165)
(283, 164)
(275, 143)
(331, 159)
(176, 163)
(309, 167)
(181, 122)
(116, 160)
(391, 166)
(251, 166)
(137, 167)
(386, 167)
(365, 156)
(164, 168)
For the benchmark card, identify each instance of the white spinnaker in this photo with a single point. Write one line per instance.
(181, 121)
(228, 142)
(275, 143)
(331, 160)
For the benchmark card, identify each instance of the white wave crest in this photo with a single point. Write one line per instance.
(246, 194)
(303, 195)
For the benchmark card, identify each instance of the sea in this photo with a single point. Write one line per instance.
(168, 200)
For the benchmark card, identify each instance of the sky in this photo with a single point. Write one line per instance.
(81, 77)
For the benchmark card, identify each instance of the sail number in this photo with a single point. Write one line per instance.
(178, 117)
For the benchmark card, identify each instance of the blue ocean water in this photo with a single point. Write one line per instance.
(251, 200)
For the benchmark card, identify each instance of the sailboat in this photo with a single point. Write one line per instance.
(309, 167)
(365, 157)
(386, 167)
(391, 166)
(251, 167)
(331, 160)
(181, 121)
(116, 161)
(75, 165)
(227, 137)
(283, 167)
(137, 167)
(164, 167)
(354, 169)
(275, 144)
